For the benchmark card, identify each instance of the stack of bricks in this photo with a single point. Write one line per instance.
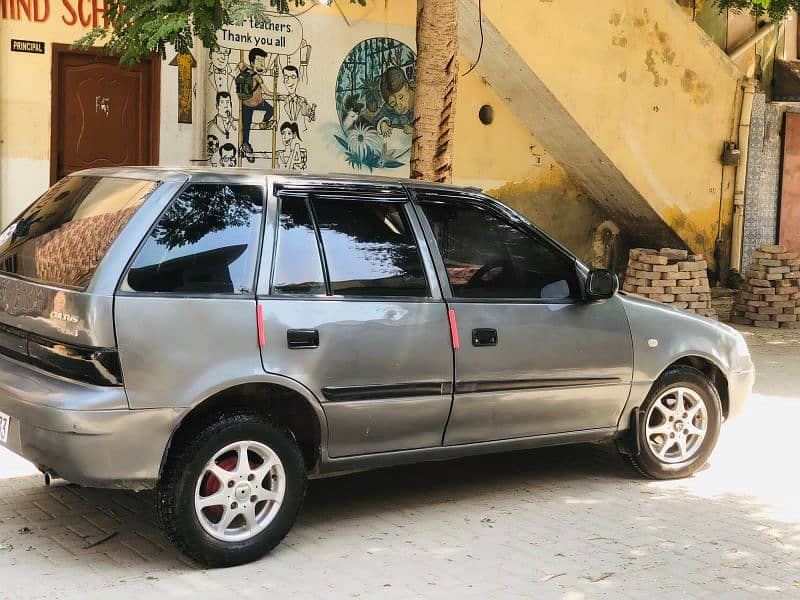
(672, 277)
(771, 294)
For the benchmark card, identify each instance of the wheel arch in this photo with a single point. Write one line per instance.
(281, 399)
(711, 369)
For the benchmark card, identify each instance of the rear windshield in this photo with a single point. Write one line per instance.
(60, 238)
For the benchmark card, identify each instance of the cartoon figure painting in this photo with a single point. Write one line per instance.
(223, 125)
(254, 94)
(295, 106)
(375, 93)
(292, 156)
(227, 155)
(220, 71)
(212, 147)
(255, 74)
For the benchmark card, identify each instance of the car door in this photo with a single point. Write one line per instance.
(533, 357)
(184, 310)
(353, 311)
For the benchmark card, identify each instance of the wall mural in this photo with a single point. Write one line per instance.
(257, 77)
(375, 92)
(262, 95)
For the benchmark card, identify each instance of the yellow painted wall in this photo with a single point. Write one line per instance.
(648, 86)
(508, 162)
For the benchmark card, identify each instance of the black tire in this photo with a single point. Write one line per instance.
(650, 465)
(176, 489)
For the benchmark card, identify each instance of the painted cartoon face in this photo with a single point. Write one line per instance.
(287, 136)
(227, 158)
(260, 65)
(212, 145)
(219, 57)
(290, 81)
(225, 108)
(350, 119)
(401, 101)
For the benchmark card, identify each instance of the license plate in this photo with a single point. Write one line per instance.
(5, 425)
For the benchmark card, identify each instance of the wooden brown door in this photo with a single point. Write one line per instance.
(789, 218)
(104, 114)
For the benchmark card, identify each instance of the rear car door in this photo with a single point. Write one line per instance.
(352, 310)
(533, 357)
(184, 310)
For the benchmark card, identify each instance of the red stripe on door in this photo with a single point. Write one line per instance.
(451, 314)
(262, 337)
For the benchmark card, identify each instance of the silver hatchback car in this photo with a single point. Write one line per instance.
(222, 335)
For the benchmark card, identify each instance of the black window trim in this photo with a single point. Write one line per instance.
(118, 291)
(495, 208)
(366, 194)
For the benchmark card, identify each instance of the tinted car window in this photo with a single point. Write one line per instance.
(298, 269)
(61, 237)
(486, 256)
(204, 243)
(369, 248)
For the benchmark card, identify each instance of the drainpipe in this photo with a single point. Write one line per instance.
(759, 35)
(749, 87)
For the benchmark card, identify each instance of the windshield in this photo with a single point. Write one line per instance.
(61, 238)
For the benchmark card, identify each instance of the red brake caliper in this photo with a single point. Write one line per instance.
(212, 485)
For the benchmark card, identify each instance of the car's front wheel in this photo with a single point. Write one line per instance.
(232, 490)
(679, 425)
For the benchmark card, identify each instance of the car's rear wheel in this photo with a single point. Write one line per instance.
(679, 425)
(232, 490)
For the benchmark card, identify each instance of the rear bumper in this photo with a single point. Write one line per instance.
(55, 424)
(740, 385)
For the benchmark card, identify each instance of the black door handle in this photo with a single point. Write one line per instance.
(302, 338)
(484, 337)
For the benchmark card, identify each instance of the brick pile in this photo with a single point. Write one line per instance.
(722, 301)
(672, 277)
(770, 296)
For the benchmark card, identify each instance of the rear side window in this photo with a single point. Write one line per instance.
(205, 243)
(298, 269)
(61, 238)
(369, 248)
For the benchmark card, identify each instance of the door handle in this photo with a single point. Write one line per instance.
(302, 338)
(484, 337)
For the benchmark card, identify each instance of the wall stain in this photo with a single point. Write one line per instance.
(699, 92)
(558, 205)
(663, 36)
(623, 76)
(650, 63)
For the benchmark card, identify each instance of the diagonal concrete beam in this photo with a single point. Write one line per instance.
(564, 139)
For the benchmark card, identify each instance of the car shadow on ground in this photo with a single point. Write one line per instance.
(122, 526)
(586, 493)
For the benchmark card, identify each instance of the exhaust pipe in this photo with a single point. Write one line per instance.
(52, 479)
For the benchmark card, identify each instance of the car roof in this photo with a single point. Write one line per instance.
(238, 173)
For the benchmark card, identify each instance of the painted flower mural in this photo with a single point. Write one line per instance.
(375, 91)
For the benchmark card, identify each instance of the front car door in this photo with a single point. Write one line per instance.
(533, 357)
(353, 311)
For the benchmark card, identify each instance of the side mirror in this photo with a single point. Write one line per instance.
(601, 284)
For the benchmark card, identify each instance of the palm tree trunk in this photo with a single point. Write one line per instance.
(435, 102)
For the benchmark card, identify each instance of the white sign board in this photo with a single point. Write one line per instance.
(280, 34)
